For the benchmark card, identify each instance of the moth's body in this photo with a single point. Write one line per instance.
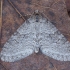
(37, 27)
(37, 35)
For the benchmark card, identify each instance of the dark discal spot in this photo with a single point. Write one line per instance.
(28, 1)
(51, 13)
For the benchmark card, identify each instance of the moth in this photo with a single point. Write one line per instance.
(34, 35)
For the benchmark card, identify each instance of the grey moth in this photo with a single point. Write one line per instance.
(36, 33)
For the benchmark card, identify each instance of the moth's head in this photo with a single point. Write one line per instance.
(36, 12)
(37, 16)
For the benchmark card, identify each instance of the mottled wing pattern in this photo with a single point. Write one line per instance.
(20, 44)
(32, 35)
(53, 43)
